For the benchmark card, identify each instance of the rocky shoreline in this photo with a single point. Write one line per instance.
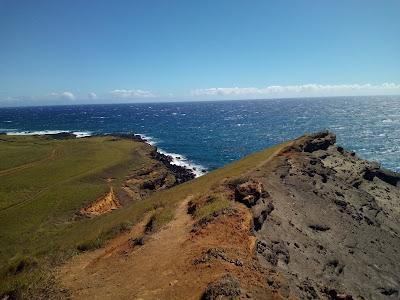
(181, 173)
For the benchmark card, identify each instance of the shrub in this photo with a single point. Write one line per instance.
(158, 219)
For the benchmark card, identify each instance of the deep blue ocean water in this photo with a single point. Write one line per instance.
(212, 134)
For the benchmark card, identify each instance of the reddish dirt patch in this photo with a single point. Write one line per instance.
(102, 205)
(170, 264)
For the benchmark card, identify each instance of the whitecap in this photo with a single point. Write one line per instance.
(182, 161)
(177, 159)
(79, 134)
(147, 138)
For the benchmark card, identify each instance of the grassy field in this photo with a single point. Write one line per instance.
(44, 182)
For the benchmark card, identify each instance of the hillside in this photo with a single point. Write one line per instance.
(305, 220)
(60, 195)
(302, 220)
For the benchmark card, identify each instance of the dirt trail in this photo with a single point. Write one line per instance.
(164, 268)
(53, 155)
(143, 272)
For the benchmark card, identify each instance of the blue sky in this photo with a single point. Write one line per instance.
(90, 51)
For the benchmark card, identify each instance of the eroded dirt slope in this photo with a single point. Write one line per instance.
(174, 263)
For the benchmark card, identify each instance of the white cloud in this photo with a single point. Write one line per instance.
(64, 95)
(68, 95)
(300, 90)
(92, 96)
(131, 94)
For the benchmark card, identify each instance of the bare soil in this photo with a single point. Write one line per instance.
(167, 265)
(102, 205)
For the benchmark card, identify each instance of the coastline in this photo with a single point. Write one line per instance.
(298, 200)
(78, 134)
(181, 173)
(183, 169)
(176, 159)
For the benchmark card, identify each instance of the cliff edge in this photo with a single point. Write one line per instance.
(333, 230)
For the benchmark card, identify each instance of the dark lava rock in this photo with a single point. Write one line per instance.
(274, 251)
(319, 227)
(130, 136)
(61, 136)
(319, 141)
(385, 175)
(181, 174)
(227, 287)
(216, 253)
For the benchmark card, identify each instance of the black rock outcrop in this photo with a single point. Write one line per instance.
(181, 174)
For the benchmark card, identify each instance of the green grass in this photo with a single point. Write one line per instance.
(14, 154)
(159, 218)
(100, 240)
(214, 203)
(44, 182)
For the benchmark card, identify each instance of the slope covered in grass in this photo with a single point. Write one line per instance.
(45, 182)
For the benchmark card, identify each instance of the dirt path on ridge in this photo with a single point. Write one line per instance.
(144, 272)
(163, 267)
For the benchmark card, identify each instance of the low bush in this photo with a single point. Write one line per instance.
(159, 219)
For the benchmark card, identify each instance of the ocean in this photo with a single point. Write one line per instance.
(208, 135)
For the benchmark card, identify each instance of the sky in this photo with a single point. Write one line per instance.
(94, 51)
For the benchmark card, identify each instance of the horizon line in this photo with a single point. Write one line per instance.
(199, 101)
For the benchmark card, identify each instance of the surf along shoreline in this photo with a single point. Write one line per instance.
(182, 173)
(177, 164)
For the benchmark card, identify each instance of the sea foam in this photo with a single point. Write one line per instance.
(79, 134)
(177, 159)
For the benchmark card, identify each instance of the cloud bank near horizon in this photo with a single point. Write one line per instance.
(131, 94)
(63, 95)
(307, 90)
(214, 93)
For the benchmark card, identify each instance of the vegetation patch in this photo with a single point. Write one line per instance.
(205, 206)
(19, 264)
(104, 236)
(159, 219)
(205, 209)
